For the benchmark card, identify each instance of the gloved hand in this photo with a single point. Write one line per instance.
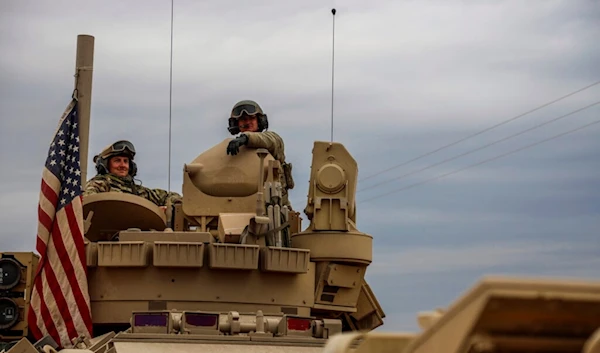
(234, 145)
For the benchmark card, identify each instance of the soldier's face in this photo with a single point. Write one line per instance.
(248, 123)
(119, 166)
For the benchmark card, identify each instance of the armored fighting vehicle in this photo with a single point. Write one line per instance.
(230, 265)
(232, 269)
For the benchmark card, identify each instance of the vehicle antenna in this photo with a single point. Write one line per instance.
(170, 97)
(332, 69)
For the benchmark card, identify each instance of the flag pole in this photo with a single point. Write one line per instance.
(84, 67)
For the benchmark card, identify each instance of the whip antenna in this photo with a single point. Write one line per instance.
(170, 97)
(332, 69)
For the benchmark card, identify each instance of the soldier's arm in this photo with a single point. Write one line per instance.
(173, 196)
(160, 196)
(269, 140)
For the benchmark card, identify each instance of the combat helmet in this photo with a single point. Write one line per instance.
(119, 148)
(250, 108)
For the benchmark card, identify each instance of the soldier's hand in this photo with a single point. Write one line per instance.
(234, 145)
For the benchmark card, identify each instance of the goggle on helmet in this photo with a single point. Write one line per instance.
(117, 148)
(250, 108)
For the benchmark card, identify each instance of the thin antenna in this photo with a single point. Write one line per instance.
(170, 95)
(332, 70)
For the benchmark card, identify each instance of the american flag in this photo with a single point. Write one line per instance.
(60, 302)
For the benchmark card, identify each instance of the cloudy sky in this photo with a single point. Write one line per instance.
(410, 77)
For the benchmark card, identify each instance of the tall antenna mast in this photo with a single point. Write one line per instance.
(170, 96)
(332, 69)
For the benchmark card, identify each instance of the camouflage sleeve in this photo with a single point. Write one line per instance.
(96, 185)
(160, 196)
(269, 140)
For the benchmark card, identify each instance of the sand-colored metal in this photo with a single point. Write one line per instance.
(23, 346)
(111, 212)
(499, 314)
(84, 70)
(17, 270)
(215, 182)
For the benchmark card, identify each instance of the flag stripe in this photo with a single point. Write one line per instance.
(74, 271)
(41, 248)
(46, 222)
(47, 321)
(65, 255)
(75, 216)
(50, 271)
(31, 317)
(47, 208)
(50, 191)
(48, 302)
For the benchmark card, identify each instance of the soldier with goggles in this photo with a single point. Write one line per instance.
(116, 171)
(248, 119)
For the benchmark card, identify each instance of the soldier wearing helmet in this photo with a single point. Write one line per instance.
(116, 170)
(248, 118)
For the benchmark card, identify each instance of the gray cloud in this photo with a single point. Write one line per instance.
(410, 77)
(421, 272)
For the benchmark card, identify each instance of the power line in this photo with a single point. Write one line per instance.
(480, 148)
(480, 132)
(482, 162)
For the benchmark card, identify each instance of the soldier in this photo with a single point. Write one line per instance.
(116, 169)
(248, 118)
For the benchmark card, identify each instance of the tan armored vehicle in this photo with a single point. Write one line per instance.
(229, 266)
(230, 269)
(499, 314)
(230, 259)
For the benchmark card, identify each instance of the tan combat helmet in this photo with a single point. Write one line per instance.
(119, 148)
(248, 107)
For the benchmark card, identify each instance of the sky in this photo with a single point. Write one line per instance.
(410, 77)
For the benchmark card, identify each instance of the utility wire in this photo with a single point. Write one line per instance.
(482, 147)
(480, 163)
(480, 132)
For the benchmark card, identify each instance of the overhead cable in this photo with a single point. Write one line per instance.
(480, 132)
(480, 148)
(480, 163)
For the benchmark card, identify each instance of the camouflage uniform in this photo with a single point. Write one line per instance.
(274, 144)
(260, 139)
(105, 181)
(113, 183)
(269, 140)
